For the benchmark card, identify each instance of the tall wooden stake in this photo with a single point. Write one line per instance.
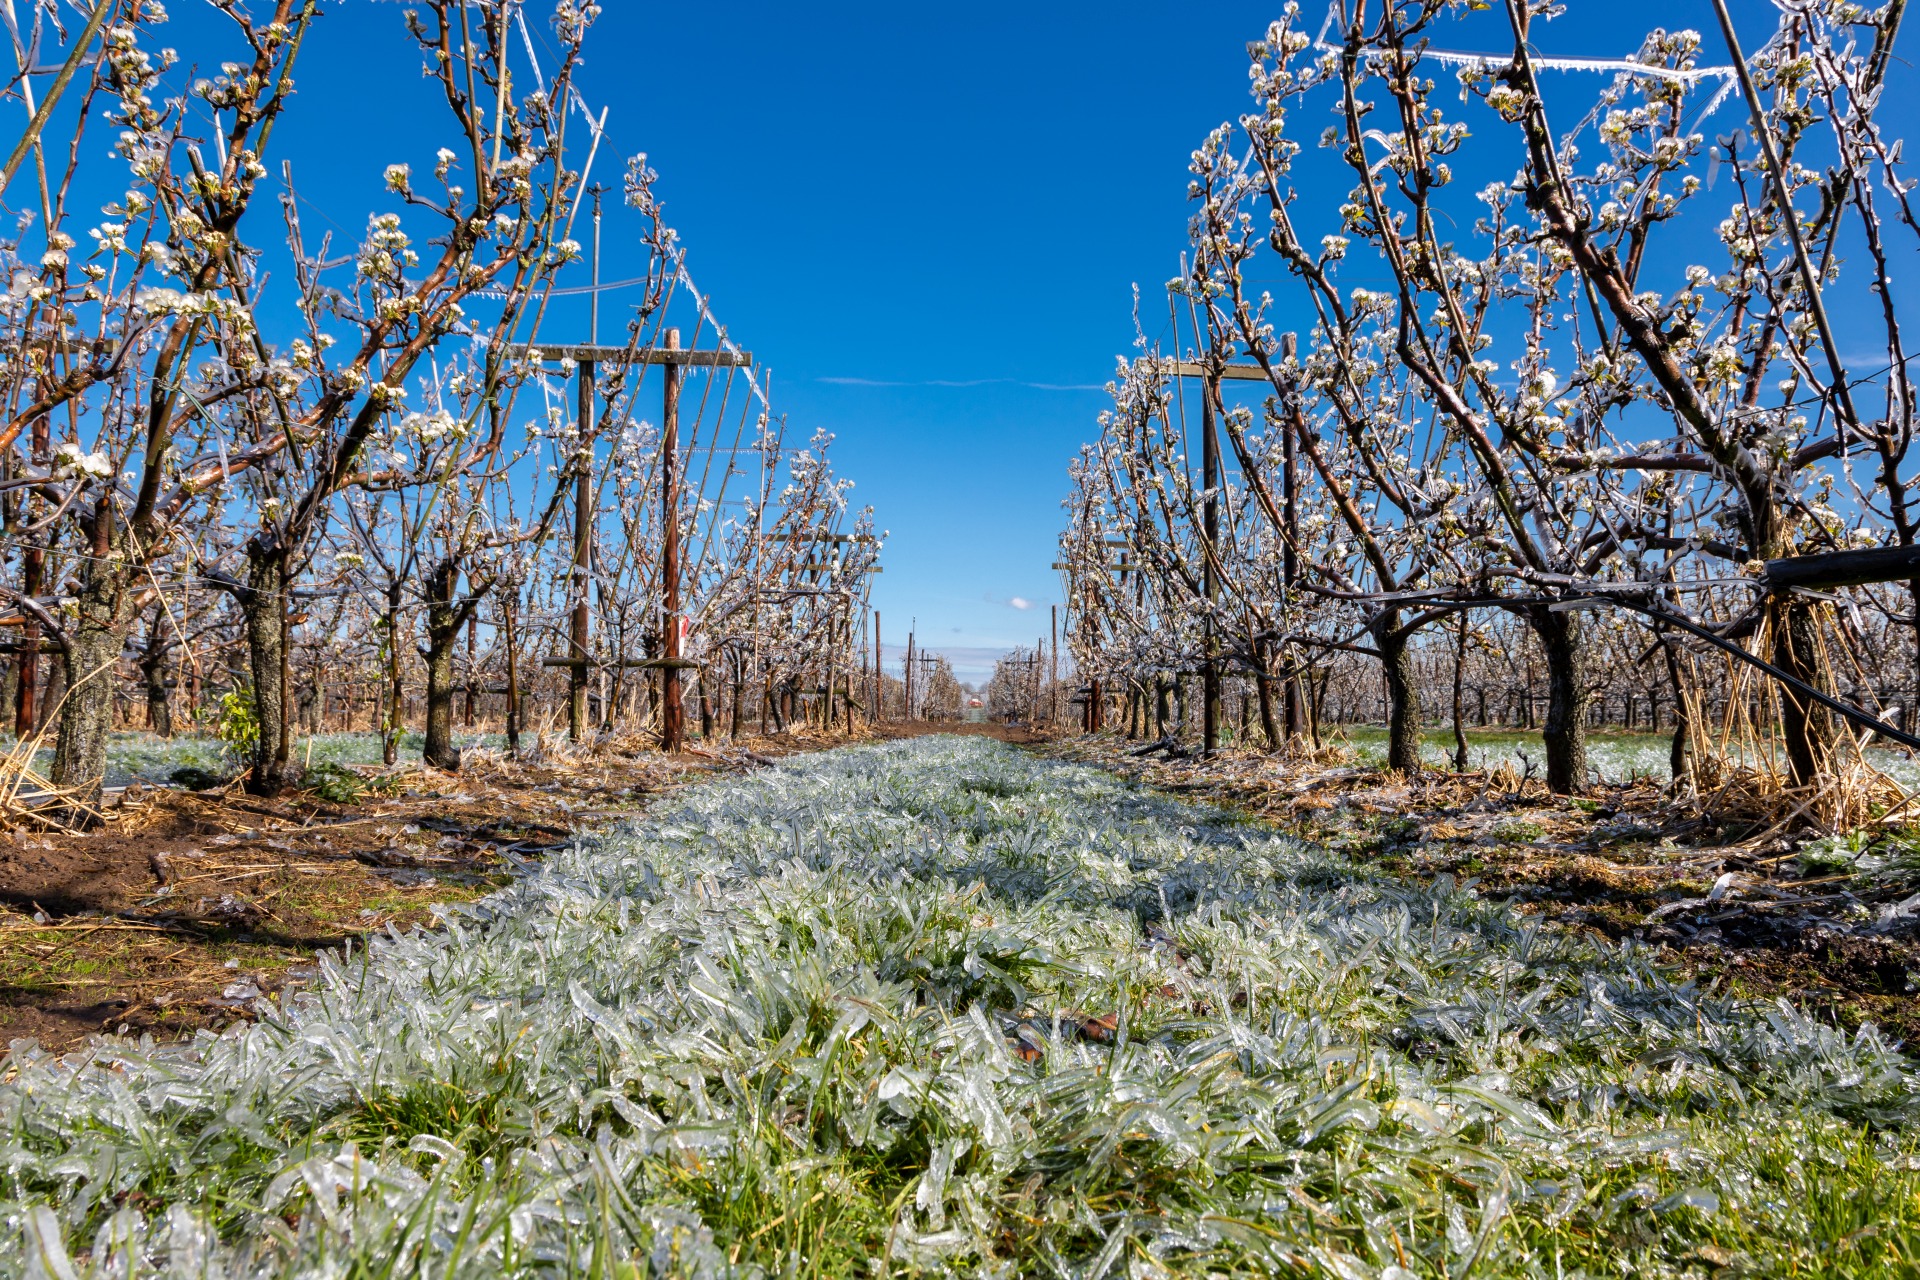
(672, 728)
(1289, 553)
(582, 563)
(513, 682)
(1210, 526)
(1053, 668)
(32, 580)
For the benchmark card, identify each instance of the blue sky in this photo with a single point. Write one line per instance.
(925, 221)
(928, 222)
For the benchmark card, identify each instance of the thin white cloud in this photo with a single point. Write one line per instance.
(1020, 603)
(963, 383)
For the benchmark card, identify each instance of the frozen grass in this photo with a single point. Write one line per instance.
(142, 757)
(821, 1020)
(1619, 756)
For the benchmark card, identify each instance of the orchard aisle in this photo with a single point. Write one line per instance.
(943, 1003)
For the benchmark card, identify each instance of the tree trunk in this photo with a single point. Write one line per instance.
(1459, 679)
(1263, 687)
(443, 631)
(473, 668)
(1565, 730)
(737, 710)
(513, 682)
(1403, 693)
(94, 641)
(1317, 708)
(1806, 726)
(265, 607)
(1910, 715)
(28, 715)
(10, 682)
(1677, 752)
(390, 731)
(159, 711)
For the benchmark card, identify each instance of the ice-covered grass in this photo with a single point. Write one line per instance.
(143, 757)
(1618, 756)
(838, 1017)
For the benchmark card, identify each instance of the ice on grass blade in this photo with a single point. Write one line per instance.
(46, 1250)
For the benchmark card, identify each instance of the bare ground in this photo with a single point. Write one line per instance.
(187, 907)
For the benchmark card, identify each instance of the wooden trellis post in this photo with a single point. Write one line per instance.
(673, 358)
(672, 715)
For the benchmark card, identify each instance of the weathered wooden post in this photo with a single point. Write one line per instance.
(578, 640)
(672, 727)
(1210, 579)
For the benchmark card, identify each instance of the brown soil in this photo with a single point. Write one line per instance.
(1623, 862)
(185, 908)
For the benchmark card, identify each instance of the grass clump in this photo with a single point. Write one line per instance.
(334, 783)
(937, 1006)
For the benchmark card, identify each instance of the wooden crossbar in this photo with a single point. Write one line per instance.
(600, 354)
(1229, 373)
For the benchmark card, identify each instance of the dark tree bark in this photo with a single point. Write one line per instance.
(1682, 730)
(1459, 679)
(736, 709)
(1403, 693)
(513, 680)
(265, 607)
(396, 689)
(1805, 725)
(153, 672)
(1263, 686)
(1565, 730)
(444, 621)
